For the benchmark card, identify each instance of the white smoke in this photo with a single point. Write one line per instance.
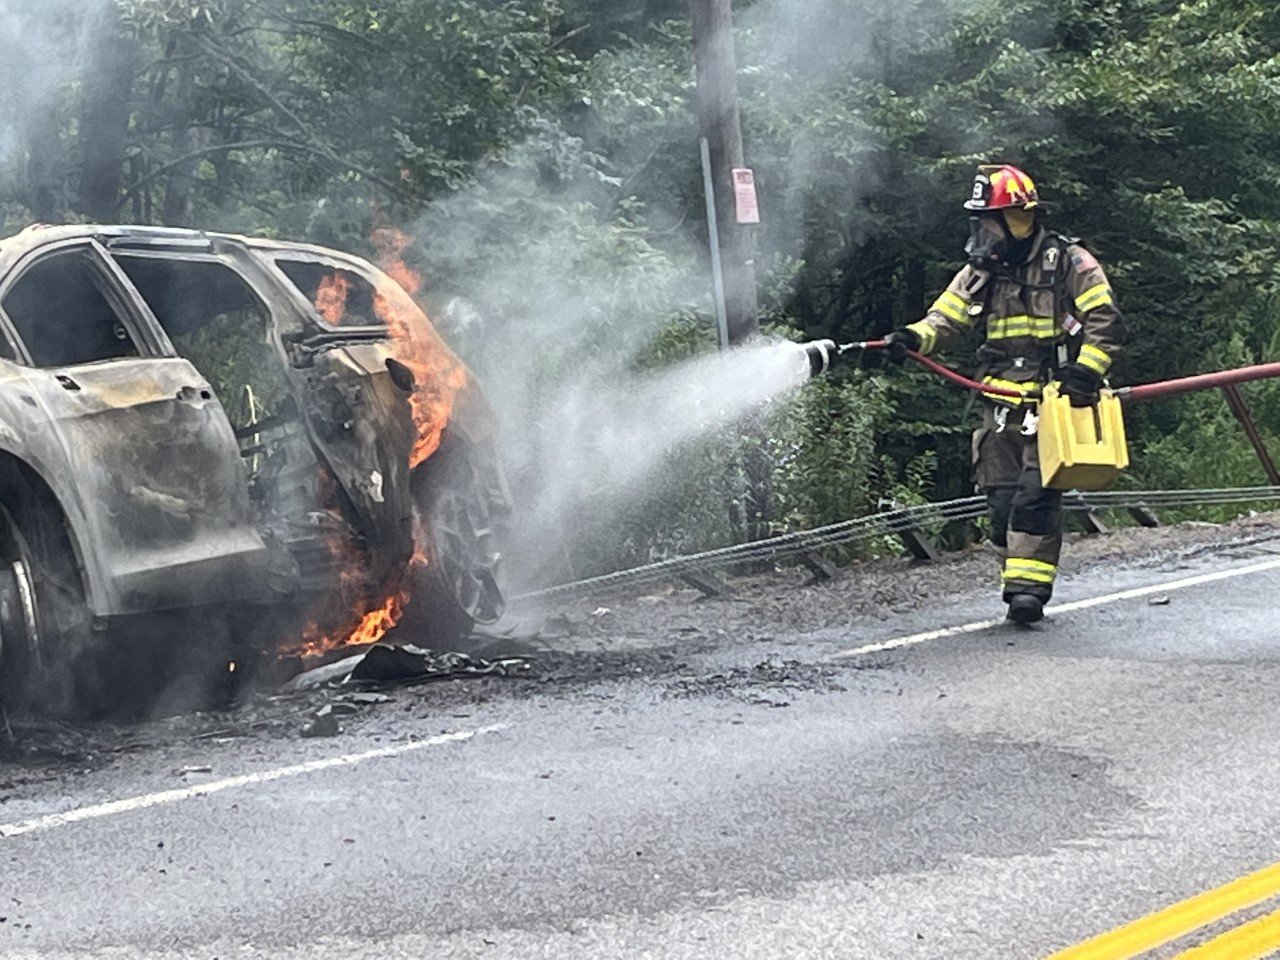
(42, 49)
(558, 308)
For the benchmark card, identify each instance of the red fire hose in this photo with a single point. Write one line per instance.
(945, 372)
(1146, 391)
(1203, 381)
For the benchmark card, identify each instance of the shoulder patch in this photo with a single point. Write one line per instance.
(1083, 260)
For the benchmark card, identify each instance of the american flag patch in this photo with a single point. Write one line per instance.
(1083, 260)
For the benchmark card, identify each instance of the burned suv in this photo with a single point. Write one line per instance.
(254, 444)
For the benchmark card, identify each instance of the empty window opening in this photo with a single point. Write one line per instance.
(216, 321)
(342, 298)
(63, 314)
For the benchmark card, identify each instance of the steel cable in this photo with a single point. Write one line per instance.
(885, 523)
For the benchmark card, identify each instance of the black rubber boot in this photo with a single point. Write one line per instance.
(1025, 608)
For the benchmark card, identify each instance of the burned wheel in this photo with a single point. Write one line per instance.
(19, 633)
(45, 627)
(463, 513)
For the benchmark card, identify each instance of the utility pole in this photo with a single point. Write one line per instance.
(731, 211)
(720, 127)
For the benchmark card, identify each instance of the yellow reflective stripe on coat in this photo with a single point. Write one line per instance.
(1026, 389)
(1005, 328)
(1094, 297)
(953, 307)
(1095, 359)
(1034, 571)
(928, 336)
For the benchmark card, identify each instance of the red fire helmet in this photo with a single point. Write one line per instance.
(1002, 187)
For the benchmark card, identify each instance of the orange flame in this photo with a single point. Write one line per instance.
(372, 626)
(437, 373)
(391, 245)
(331, 298)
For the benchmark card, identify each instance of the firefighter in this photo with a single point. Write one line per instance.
(1047, 313)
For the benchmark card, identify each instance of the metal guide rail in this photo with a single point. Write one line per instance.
(894, 521)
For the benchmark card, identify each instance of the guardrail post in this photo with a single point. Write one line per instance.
(1241, 409)
(819, 566)
(707, 583)
(913, 538)
(1079, 511)
(1144, 515)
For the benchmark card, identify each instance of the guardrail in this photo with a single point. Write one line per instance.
(906, 522)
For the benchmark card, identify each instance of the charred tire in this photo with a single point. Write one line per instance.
(463, 513)
(48, 661)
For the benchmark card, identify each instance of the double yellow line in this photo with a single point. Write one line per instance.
(1251, 941)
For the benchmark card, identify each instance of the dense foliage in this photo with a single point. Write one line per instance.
(544, 153)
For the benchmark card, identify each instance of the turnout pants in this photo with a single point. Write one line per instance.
(1026, 519)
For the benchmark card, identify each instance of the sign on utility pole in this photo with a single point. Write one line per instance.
(730, 185)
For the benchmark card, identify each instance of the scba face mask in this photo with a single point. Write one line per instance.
(990, 240)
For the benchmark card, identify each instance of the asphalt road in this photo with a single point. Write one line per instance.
(996, 793)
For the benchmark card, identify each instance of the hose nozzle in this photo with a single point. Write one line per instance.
(821, 354)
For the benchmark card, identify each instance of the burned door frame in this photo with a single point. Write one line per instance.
(359, 420)
(333, 260)
(99, 432)
(207, 256)
(118, 292)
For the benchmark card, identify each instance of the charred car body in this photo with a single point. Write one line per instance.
(268, 435)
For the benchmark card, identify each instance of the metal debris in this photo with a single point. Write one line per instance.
(337, 672)
(390, 664)
(323, 723)
(363, 698)
(397, 664)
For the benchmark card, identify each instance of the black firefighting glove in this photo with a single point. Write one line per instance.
(1080, 384)
(896, 346)
(899, 343)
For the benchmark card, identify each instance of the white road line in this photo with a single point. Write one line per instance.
(1072, 607)
(130, 804)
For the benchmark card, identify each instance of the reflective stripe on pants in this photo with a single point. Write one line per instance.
(1026, 518)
